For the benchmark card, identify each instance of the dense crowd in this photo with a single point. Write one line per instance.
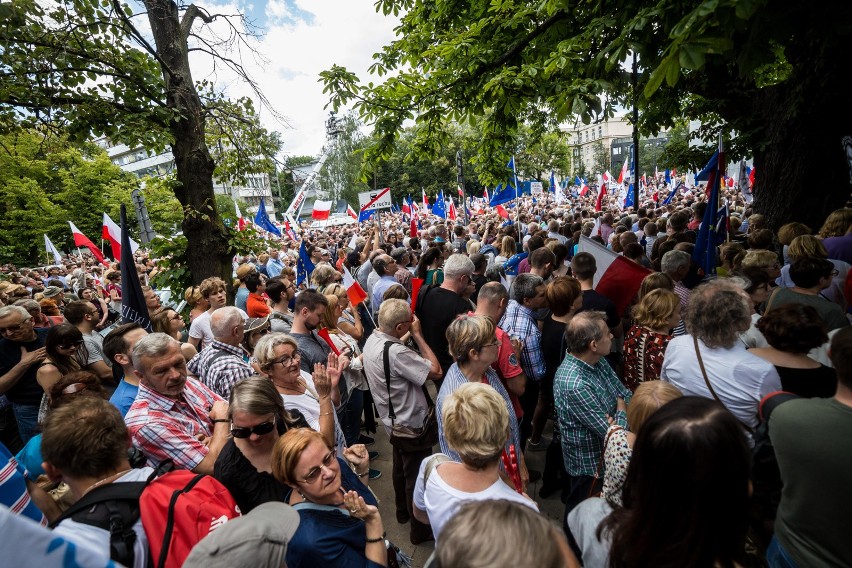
(692, 419)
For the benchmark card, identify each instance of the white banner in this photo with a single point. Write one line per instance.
(536, 187)
(297, 202)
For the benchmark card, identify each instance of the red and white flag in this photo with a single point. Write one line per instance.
(353, 289)
(485, 195)
(502, 211)
(351, 212)
(425, 201)
(451, 211)
(241, 222)
(81, 240)
(322, 209)
(585, 188)
(112, 232)
(601, 191)
(623, 172)
(412, 231)
(617, 278)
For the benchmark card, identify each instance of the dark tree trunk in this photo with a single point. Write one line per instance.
(802, 171)
(208, 252)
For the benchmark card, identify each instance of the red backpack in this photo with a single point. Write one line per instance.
(179, 509)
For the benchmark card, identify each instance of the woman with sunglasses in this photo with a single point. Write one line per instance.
(315, 396)
(66, 353)
(339, 521)
(171, 323)
(257, 418)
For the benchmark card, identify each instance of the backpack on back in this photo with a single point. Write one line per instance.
(178, 510)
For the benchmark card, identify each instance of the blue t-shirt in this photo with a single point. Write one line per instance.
(124, 396)
(241, 298)
(13, 487)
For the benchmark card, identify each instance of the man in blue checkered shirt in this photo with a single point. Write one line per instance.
(586, 391)
(527, 296)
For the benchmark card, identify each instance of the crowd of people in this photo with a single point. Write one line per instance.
(484, 338)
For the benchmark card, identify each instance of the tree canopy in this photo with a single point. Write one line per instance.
(763, 74)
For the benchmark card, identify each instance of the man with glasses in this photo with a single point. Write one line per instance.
(438, 306)
(83, 315)
(21, 350)
(222, 364)
(174, 417)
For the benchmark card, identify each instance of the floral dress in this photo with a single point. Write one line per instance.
(643, 355)
(617, 455)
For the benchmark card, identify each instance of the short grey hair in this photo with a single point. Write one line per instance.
(7, 311)
(391, 313)
(223, 320)
(673, 260)
(458, 265)
(583, 329)
(525, 286)
(28, 305)
(152, 345)
(264, 351)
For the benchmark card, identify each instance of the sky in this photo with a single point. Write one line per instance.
(300, 39)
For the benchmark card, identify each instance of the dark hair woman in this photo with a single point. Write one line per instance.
(686, 495)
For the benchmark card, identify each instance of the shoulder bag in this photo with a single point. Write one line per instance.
(406, 438)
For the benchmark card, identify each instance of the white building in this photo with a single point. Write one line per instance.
(142, 162)
(585, 137)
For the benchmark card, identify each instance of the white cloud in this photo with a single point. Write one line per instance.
(301, 39)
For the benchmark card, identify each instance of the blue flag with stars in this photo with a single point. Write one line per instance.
(262, 220)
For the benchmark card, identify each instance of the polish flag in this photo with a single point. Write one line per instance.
(502, 212)
(461, 193)
(322, 209)
(112, 233)
(617, 278)
(353, 289)
(351, 212)
(585, 188)
(601, 192)
(406, 208)
(241, 222)
(623, 173)
(425, 201)
(485, 195)
(751, 177)
(451, 213)
(412, 232)
(81, 240)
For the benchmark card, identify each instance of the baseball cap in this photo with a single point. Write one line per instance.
(258, 539)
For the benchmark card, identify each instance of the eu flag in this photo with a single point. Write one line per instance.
(502, 195)
(262, 220)
(304, 266)
(440, 207)
(708, 237)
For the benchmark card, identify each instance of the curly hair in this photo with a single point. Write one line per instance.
(837, 224)
(718, 313)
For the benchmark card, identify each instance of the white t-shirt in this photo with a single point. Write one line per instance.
(441, 501)
(200, 328)
(98, 539)
(308, 404)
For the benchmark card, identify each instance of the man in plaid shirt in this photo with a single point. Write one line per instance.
(174, 416)
(586, 391)
(519, 323)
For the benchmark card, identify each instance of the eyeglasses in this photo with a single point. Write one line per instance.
(73, 344)
(175, 316)
(287, 360)
(315, 471)
(15, 327)
(260, 430)
(834, 272)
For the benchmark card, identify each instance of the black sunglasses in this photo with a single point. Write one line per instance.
(260, 430)
(77, 343)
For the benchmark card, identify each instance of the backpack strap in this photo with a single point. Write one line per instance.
(386, 361)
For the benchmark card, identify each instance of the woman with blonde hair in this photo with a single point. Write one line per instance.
(508, 249)
(198, 304)
(474, 346)
(767, 260)
(349, 321)
(618, 443)
(645, 343)
(837, 235)
(476, 424)
(808, 246)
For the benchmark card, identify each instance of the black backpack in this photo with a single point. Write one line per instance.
(114, 508)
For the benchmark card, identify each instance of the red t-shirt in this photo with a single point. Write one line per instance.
(256, 306)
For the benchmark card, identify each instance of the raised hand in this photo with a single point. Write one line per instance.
(322, 381)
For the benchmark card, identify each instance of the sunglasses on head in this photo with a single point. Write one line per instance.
(77, 343)
(260, 430)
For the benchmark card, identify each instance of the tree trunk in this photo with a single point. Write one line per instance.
(802, 170)
(208, 252)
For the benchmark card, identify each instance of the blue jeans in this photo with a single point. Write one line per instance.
(777, 557)
(27, 417)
